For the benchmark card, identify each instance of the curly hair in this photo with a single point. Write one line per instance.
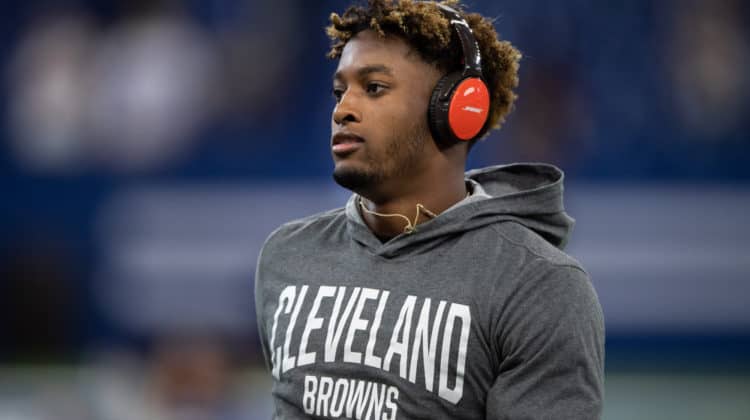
(424, 27)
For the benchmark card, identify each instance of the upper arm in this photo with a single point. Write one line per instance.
(551, 338)
(259, 280)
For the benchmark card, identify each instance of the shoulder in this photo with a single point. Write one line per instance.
(536, 248)
(550, 291)
(544, 274)
(302, 231)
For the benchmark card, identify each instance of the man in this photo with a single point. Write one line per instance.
(432, 294)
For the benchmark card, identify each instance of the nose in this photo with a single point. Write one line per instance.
(346, 111)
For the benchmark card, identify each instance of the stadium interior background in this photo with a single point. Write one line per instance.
(147, 148)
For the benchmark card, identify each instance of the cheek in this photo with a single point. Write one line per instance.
(414, 107)
(401, 113)
(404, 119)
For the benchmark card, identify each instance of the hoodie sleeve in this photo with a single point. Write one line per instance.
(260, 271)
(551, 339)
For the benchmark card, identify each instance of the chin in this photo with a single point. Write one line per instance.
(354, 179)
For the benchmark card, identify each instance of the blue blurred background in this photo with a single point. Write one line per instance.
(147, 148)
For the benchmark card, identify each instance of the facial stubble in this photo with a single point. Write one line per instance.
(400, 159)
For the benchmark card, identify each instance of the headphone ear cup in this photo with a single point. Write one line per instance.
(437, 113)
(469, 108)
(459, 108)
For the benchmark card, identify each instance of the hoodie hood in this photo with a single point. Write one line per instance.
(529, 194)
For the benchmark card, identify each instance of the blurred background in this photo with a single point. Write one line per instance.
(147, 148)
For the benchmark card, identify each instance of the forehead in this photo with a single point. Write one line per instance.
(368, 49)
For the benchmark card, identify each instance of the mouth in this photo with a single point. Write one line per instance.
(343, 144)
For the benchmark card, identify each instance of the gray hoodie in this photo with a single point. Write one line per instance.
(477, 314)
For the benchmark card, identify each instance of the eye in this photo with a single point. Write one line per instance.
(337, 93)
(375, 89)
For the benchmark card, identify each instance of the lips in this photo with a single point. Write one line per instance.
(345, 143)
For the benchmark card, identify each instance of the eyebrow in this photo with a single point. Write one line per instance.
(366, 70)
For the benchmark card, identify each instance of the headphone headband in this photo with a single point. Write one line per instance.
(469, 44)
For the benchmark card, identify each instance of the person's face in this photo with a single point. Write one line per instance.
(379, 133)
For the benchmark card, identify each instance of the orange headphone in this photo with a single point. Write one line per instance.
(460, 102)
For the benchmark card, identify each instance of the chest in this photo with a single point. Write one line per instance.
(392, 337)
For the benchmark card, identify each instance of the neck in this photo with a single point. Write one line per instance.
(428, 198)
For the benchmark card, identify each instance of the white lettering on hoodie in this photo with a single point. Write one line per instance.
(412, 338)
